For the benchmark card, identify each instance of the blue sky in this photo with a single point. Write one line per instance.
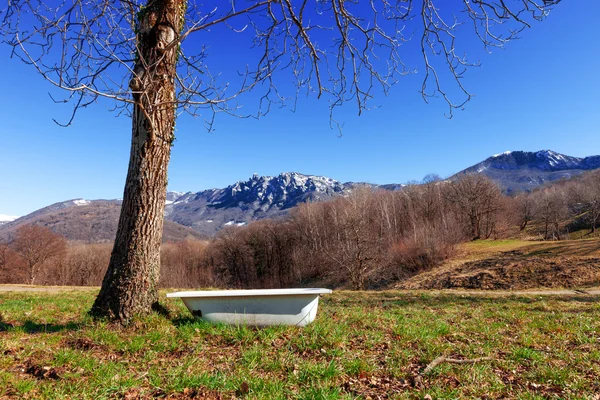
(540, 92)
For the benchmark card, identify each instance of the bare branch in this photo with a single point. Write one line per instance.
(346, 50)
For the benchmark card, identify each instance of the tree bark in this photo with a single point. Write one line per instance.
(31, 273)
(130, 286)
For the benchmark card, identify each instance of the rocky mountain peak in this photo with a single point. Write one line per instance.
(257, 197)
(281, 188)
(525, 170)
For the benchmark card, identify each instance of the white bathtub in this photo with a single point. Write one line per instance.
(254, 307)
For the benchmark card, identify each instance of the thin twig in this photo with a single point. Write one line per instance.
(442, 359)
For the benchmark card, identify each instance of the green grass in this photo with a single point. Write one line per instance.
(368, 344)
(490, 244)
(584, 247)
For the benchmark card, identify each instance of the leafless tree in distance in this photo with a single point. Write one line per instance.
(591, 198)
(150, 59)
(550, 209)
(478, 200)
(36, 245)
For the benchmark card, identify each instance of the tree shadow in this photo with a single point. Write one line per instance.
(162, 310)
(582, 248)
(185, 320)
(32, 327)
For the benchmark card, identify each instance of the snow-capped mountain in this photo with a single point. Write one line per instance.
(205, 212)
(524, 170)
(282, 191)
(208, 211)
(256, 198)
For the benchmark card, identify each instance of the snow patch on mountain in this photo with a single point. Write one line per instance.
(173, 196)
(7, 218)
(81, 202)
(558, 160)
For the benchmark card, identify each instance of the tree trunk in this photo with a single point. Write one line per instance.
(523, 225)
(130, 286)
(31, 274)
(475, 228)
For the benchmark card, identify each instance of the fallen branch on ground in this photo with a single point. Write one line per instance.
(443, 359)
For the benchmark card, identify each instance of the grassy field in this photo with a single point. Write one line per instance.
(362, 345)
(570, 248)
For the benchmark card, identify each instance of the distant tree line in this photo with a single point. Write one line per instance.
(555, 211)
(367, 239)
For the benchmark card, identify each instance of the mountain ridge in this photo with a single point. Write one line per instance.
(256, 198)
(204, 213)
(91, 221)
(521, 170)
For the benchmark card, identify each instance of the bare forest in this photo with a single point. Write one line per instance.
(368, 239)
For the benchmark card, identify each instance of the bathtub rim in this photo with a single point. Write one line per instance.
(250, 293)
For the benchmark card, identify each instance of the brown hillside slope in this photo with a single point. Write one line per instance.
(516, 265)
(90, 223)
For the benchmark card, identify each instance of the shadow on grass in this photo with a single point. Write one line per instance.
(161, 310)
(542, 252)
(34, 327)
(185, 320)
(583, 248)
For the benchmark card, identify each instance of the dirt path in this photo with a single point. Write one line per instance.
(44, 289)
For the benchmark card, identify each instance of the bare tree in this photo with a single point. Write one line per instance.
(551, 208)
(524, 208)
(139, 55)
(356, 247)
(591, 198)
(4, 249)
(85, 264)
(235, 258)
(184, 264)
(5, 257)
(312, 223)
(478, 199)
(36, 245)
